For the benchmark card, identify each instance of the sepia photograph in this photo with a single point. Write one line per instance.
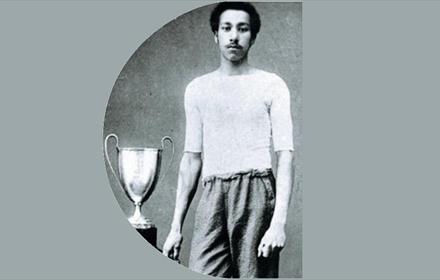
(202, 140)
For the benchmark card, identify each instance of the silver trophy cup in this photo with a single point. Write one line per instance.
(139, 170)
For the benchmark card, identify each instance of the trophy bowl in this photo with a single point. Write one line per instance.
(139, 170)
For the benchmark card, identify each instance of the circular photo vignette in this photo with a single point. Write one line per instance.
(145, 123)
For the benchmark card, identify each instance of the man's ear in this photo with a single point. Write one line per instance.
(216, 37)
(253, 41)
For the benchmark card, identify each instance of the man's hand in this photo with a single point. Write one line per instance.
(171, 248)
(189, 172)
(273, 241)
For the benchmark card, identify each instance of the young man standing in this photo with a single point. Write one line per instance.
(231, 116)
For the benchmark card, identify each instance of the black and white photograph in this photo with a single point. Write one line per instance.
(202, 140)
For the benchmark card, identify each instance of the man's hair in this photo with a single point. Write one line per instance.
(255, 21)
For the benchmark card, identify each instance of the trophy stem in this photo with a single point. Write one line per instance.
(137, 211)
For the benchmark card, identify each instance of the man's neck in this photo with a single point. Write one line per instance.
(230, 68)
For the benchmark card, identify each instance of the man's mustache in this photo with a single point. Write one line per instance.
(234, 46)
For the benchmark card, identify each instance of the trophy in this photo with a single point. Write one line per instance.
(139, 170)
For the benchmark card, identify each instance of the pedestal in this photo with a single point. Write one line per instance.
(150, 234)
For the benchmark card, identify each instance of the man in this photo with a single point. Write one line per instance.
(231, 116)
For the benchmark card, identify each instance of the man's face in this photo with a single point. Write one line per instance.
(234, 35)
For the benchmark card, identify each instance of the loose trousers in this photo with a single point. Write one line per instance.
(232, 216)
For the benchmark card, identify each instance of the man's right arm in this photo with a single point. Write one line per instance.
(189, 173)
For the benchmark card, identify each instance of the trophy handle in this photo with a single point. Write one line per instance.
(107, 157)
(172, 156)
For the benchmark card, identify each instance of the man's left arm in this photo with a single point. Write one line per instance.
(275, 237)
(282, 135)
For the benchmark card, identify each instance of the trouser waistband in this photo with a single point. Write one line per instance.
(234, 175)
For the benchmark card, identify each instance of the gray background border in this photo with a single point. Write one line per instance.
(370, 139)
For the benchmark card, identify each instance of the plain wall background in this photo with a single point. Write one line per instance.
(146, 104)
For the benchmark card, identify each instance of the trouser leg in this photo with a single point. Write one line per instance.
(251, 201)
(210, 250)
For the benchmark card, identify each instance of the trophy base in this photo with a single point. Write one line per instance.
(138, 220)
(141, 223)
